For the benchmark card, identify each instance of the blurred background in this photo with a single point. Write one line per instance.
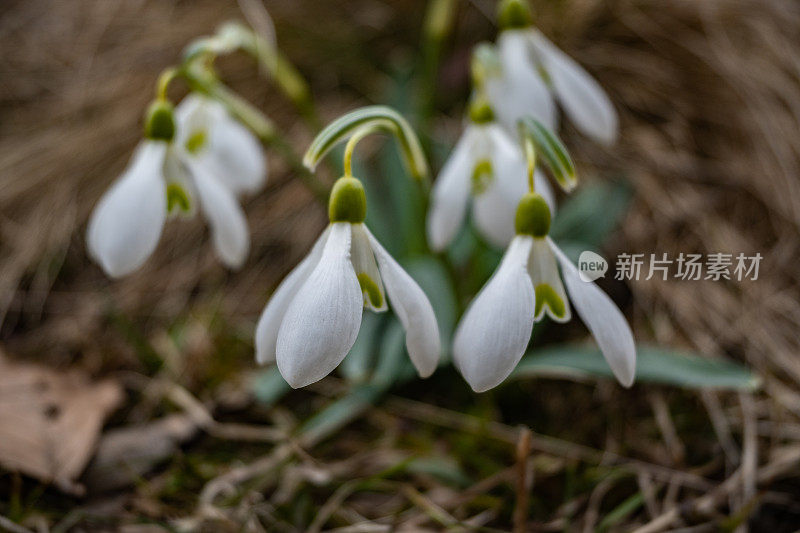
(135, 405)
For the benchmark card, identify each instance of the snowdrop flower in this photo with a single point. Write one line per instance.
(314, 316)
(494, 333)
(209, 158)
(488, 165)
(535, 72)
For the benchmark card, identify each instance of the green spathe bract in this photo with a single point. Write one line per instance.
(159, 122)
(514, 14)
(533, 216)
(348, 201)
(551, 150)
(375, 118)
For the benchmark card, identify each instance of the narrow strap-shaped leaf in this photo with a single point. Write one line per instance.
(551, 150)
(383, 118)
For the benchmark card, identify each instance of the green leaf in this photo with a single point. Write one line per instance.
(432, 277)
(653, 365)
(358, 363)
(622, 511)
(551, 150)
(362, 396)
(269, 386)
(341, 412)
(380, 118)
(589, 216)
(444, 468)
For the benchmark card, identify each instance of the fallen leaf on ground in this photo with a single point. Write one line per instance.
(126, 454)
(50, 420)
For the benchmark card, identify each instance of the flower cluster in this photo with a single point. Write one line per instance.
(200, 157)
(514, 88)
(195, 156)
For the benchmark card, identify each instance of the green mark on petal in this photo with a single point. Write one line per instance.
(546, 295)
(196, 141)
(482, 177)
(177, 198)
(370, 290)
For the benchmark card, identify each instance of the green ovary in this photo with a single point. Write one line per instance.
(370, 290)
(177, 198)
(546, 295)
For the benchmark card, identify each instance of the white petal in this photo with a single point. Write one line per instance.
(366, 269)
(583, 99)
(604, 320)
(225, 216)
(492, 336)
(126, 223)
(493, 213)
(451, 194)
(322, 322)
(236, 156)
(231, 152)
(190, 115)
(550, 295)
(520, 91)
(413, 309)
(270, 321)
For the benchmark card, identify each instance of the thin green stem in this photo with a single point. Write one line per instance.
(530, 156)
(438, 23)
(351, 146)
(164, 79)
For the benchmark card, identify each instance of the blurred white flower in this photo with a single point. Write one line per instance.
(313, 317)
(494, 332)
(212, 159)
(488, 165)
(534, 72)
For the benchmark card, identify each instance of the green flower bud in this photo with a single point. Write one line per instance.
(480, 111)
(533, 216)
(159, 122)
(348, 202)
(514, 14)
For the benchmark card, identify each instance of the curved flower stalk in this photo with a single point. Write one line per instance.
(197, 154)
(535, 73)
(488, 166)
(313, 318)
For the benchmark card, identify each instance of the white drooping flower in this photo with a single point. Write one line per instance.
(535, 73)
(487, 165)
(203, 157)
(313, 317)
(496, 329)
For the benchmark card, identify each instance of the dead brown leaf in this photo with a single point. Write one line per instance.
(50, 420)
(127, 453)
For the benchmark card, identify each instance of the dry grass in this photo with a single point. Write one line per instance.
(709, 94)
